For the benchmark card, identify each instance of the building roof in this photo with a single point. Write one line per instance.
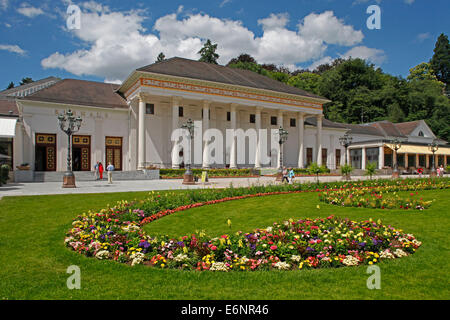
(81, 92)
(8, 107)
(325, 123)
(186, 68)
(12, 91)
(407, 127)
(387, 128)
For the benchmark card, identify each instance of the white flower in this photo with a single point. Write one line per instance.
(296, 258)
(400, 253)
(386, 254)
(282, 265)
(181, 258)
(102, 254)
(350, 261)
(219, 266)
(137, 258)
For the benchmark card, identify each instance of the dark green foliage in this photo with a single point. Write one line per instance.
(208, 53)
(440, 62)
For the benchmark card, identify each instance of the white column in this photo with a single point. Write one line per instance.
(280, 123)
(175, 125)
(258, 143)
(141, 146)
(363, 159)
(331, 159)
(319, 140)
(206, 111)
(301, 139)
(381, 157)
(406, 161)
(233, 143)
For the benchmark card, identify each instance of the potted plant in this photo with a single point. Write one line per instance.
(314, 169)
(24, 166)
(346, 170)
(371, 169)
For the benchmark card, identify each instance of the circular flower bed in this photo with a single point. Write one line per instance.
(381, 198)
(293, 244)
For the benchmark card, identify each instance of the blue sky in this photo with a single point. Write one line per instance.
(117, 36)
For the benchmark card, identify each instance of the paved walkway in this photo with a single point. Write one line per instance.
(45, 188)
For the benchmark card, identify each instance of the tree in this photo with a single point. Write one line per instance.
(371, 169)
(161, 57)
(422, 71)
(10, 86)
(208, 53)
(440, 62)
(243, 57)
(26, 81)
(306, 81)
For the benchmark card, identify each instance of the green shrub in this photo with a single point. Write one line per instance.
(346, 170)
(4, 173)
(371, 169)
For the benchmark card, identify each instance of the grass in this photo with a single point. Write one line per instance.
(34, 260)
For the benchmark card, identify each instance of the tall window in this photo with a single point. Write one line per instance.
(180, 112)
(228, 116)
(273, 121)
(324, 156)
(309, 156)
(150, 108)
(252, 118)
(356, 158)
(338, 158)
(293, 122)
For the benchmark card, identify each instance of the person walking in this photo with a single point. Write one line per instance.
(110, 169)
(441, 171)
(100, 170)
(291, 176)
(97, 173)
(285, 176)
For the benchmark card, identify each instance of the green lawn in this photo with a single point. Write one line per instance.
(34, 260)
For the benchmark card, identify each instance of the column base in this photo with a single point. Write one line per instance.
(69, 180)
(433, 174)
(395, 175)
(188, 179)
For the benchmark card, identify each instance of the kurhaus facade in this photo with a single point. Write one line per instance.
(131, 125)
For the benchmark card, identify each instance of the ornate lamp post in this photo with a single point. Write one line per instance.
(70, 125)
(433, 146)
(396, 144)
(282, 138)
(345, 141)
(188, 176)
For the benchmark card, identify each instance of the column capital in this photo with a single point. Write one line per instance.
(141, 97)
(176, 100)
(206, 103)
(280, 112)
(258, 109)
(301, 114)
(233, 106)
(319, 116)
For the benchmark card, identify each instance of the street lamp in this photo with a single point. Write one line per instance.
(188, 176)
(70, 125)
(345, 141)
(282, 138)
(396, 144)
(433, 146)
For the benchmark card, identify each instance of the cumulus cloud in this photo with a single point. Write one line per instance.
(29, 11)
(13, 49)
(330, 29)
(115, 43)
(375, 56)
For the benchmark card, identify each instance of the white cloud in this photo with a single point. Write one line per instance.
(423, 36)
(224, 2)
(4, 4)
(375, 56)
(117, 43)
(409, 1)
(327, 27)
(13, 49)
(319, 62)
(29, 11)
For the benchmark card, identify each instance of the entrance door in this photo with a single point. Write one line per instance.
(81, 153)
(45, 152)
(113, 147)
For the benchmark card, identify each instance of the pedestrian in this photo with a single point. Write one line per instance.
(291, 176)
(97, 173)
(110, 169)
(438, 172)
(100, 170)
(441, 171)
(285, 176)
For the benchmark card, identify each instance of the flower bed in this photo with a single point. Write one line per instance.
(116, 233)
(380, 198)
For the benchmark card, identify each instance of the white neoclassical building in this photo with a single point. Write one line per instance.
(131, 125)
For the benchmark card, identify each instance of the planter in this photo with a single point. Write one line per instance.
(24, 168)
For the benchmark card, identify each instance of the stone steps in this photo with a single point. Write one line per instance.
(40, 176)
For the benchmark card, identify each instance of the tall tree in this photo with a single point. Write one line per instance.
(26, 81)
(161, 57)
(208, 53)
(440, 62)
(422, 71)
(243, 57)
(307, 81)
(10, 86)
